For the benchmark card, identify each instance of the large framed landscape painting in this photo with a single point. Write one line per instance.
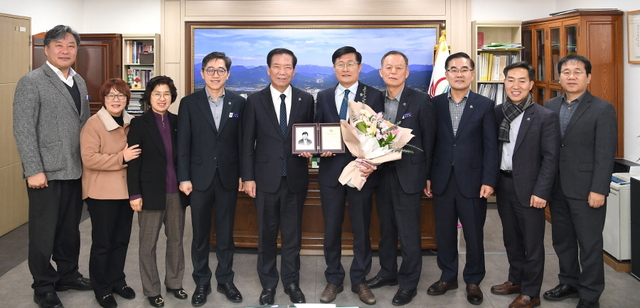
(313, 43)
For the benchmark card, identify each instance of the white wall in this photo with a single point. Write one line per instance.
(631, 74)
(511, 9)
(89, 16)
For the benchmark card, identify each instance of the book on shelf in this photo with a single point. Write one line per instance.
(493, 91)
(134, 50)
(491, 66)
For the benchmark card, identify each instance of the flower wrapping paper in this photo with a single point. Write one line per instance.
(366, 147)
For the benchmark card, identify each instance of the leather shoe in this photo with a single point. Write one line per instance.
(125, 292)
(107, 301)
(560, 292)
(403, 297)
(47, 300)
(505, 288)
(230, 291)
(267, 296)
(440, 287)
(199, 297)
(474, 294)
(377, 282)
(525, 301)
(81, 283)
(330, 292)
(587, 304)
(295, 294)
(156, 301)
(365, 294)
(178, 293)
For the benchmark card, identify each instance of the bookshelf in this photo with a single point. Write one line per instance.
(597, 35)
(495, 44)
(140, 62)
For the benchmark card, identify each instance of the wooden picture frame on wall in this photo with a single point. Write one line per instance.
(633, 36)
(247, 44)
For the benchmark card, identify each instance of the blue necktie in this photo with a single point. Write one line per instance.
(283, 129)
(345, 104)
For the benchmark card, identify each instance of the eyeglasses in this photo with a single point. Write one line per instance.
(212, 71)
(568, 73)
(348, 65)
(113, 97)
(463, 70)
(158, 95)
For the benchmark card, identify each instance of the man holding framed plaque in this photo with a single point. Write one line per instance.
(331, 107)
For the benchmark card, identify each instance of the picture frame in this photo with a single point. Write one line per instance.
(316, 138)
(633, 36)
(313, 42)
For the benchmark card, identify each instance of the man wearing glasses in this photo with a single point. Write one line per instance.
(209, 173)
(331, 107)
(588, 128)
(463, 174)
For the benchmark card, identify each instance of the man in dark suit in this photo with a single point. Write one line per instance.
(463, 174)
(402, 182)
(50, 107)
(529, 145)
(588, 147)
(209, 134)
(332, 107)
(276, 178)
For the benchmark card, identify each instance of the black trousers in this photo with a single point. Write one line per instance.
(222, 202)
(577, 239)
(333, 208)
(399, 214)
(523, 235)
(54, 217)
(472, 212)
(110, 232)
(282, 211)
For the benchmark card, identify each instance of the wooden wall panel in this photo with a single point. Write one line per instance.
(15, 32)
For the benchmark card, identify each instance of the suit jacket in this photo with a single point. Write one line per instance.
(416, 112)
(536, 152)
(202, 148)
(327, 112)
(47, 124)
(146, 175)
(588, 147)
(473, 150)
(264, 147)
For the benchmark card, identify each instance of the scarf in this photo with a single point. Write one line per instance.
(512, 111)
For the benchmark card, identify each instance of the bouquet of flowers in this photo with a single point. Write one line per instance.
(372, 140)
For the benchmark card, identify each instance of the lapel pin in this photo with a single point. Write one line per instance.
(471, 106)
(229, 103)
(404, 104)
(299, 99)
(528, 119)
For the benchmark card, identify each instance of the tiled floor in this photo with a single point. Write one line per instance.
(15, 291)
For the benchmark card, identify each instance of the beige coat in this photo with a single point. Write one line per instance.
(102, 141)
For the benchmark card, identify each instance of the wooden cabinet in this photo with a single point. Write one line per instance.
(490, 61)
(245, 231)
(99, 58)
(596, 35)
(141, 59)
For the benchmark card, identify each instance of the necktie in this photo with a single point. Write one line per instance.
(345, 104)
(283, 130)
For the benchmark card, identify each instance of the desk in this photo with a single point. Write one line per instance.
(245, 231)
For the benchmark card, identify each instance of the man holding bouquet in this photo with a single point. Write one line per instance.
(332, 106)
(402, 182)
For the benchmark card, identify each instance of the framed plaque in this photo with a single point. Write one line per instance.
(316, 138)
